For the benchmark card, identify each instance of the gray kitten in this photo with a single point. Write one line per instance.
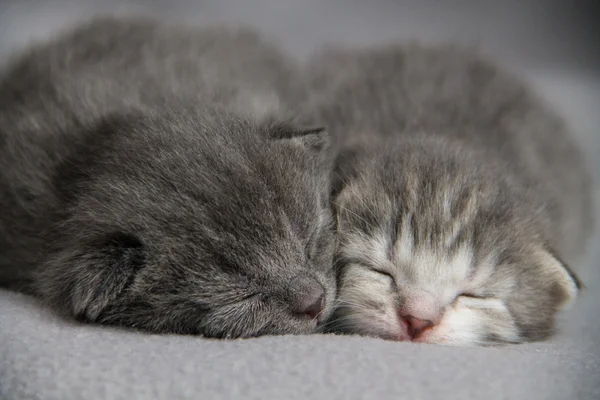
(459, 197)
(149, 178)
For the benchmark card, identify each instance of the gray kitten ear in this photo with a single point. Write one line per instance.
(84, 279)
(565, 285)
(311, 138)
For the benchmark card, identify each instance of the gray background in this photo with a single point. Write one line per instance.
(555, 45)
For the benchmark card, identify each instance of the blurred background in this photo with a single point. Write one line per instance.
(539, 34)
(547, 34)
(555, 43)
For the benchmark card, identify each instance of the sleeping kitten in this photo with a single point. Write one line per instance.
(459, 197)
(149, 178)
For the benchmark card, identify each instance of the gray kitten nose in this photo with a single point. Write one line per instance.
(310, 297)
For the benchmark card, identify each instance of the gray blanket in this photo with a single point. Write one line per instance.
(45, 357)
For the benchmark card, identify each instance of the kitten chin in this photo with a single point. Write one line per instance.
(457, 194)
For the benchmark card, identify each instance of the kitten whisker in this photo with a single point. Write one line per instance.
(345, 303)
(355, 214)
(357, 196)
(339, 322)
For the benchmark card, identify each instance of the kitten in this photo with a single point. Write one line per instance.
(150, 178)
(459, 197)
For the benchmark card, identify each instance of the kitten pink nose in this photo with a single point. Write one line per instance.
(311, 305)
(311, 299)
(416, 326)
(421, 311)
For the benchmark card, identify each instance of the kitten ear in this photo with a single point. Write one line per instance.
(84, 279)
(315, 139)
(565, 284)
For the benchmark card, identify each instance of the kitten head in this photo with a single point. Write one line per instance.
(435, 249)
(214, 225)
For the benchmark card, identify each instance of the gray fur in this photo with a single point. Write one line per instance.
(446, 160)
(150, 178)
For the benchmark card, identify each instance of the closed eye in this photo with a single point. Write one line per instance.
(384, 273)
(254, 297)
(474, 296)
(250, 298)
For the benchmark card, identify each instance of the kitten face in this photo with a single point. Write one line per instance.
(180, 224)
(442, 254)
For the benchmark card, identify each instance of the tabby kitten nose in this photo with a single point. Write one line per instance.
(416, 326)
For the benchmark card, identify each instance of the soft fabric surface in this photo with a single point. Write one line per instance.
(45, 357)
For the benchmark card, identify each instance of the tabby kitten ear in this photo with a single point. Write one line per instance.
(85, 278)
(561, 280)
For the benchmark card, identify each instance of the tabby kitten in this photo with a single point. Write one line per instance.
(459, 197)
(150, 178)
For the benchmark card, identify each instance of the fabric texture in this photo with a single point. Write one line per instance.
(43, 356)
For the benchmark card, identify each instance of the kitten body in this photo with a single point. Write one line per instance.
(150, 178)
(459, 196)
